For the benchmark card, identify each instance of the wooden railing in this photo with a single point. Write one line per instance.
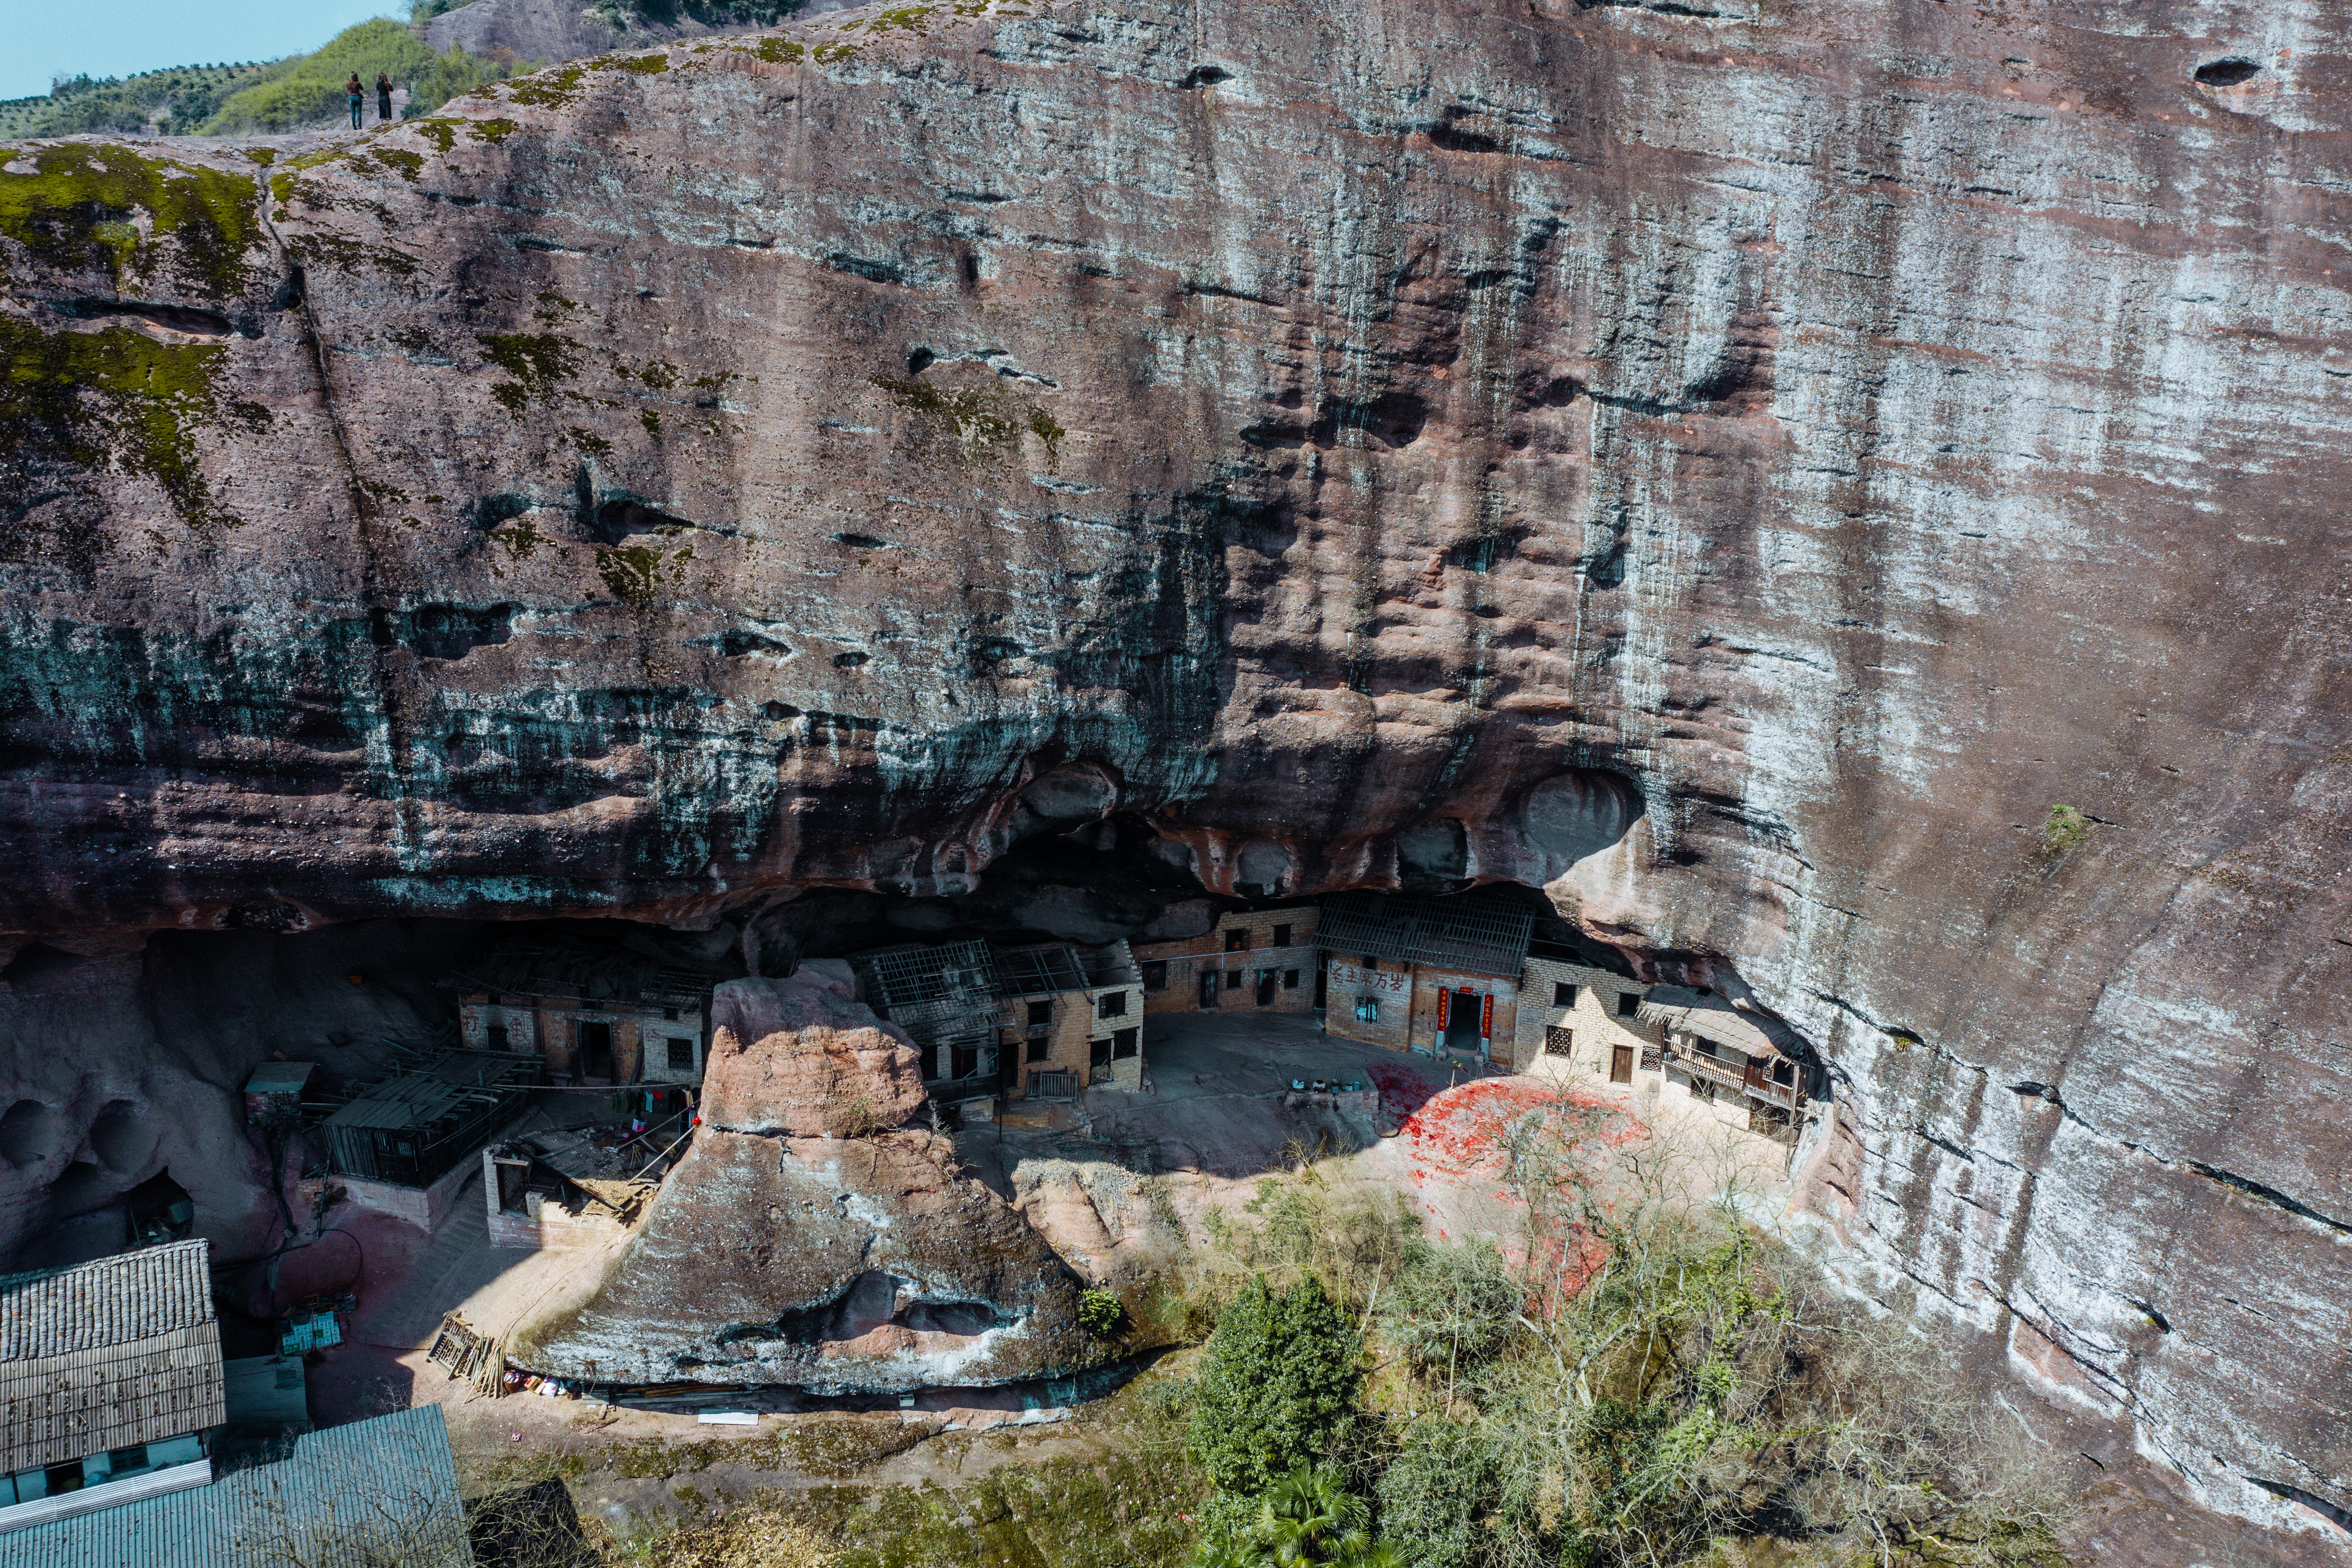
(1754, 1081)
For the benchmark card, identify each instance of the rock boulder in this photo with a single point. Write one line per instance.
(798, 1055)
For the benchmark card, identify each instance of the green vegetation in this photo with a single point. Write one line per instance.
(176, 100)
(76, 209)
(309, 87)
(423, 11)
(117, 399)
(1099, 1311)
(536, 360)
(454, 74)
(1042, 426)
(1308, 1518)
(1277, 1388)
(2065, 828)
(979, 420)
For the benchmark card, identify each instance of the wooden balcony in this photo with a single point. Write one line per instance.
(1754, 1081)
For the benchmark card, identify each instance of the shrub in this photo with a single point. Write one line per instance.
(1277, 1388)
(454, 74)
(1450, 1308)
(2066, 828)
(1099, 1311)
(1441, 1481)
(1308, 1518)
(310, 87)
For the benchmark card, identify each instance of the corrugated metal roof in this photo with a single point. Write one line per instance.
(419, 1098)
(351, 1497)
(134, 1296)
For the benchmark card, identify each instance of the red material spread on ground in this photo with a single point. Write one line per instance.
(1464, 1130)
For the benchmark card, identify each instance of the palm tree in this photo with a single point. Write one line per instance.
(1309, 1519)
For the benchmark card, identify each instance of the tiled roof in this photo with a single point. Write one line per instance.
(105, 1355)
(351, 1497)
(1713, 1018)
(110, 1302)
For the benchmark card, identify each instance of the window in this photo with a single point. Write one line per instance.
(1237, 940)
(1784, 1072)
(497, 1037)
(1702, 1088)
(1629, 1003)
(492, 999)
(1125, 1044)
(1233, 979)
(1290, 980)
(133, 1457)
(1559, 1042)
(1041, 1049)
(1155, 975)
(1041, 1012)
(1372, 961)
(669, 1015)
(1368, 1009)
(64, 1478)
(1112, 1005)
(1282, 936)
(681, 1053)
(1563, 994)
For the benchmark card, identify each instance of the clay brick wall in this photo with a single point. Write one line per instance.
(1592, 1020)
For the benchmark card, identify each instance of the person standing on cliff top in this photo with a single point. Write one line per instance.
(382, 98)
(359, 98)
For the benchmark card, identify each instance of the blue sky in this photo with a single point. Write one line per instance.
(41, 38)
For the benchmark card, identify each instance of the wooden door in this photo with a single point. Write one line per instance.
(1620, 1064)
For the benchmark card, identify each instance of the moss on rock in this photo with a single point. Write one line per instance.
(76, 211)
(115, 398)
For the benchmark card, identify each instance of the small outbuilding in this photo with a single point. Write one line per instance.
(373, 1492)
(110, 1383)
(397, 1144)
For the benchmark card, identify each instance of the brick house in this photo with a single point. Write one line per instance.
(1261, 960)
(1072, 1019)
(1582, 1023)
(1428, 974)
(594, 1015)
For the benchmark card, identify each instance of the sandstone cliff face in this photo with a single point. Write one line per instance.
(1738, 467)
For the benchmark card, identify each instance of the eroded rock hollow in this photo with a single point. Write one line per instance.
(1741, 468)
